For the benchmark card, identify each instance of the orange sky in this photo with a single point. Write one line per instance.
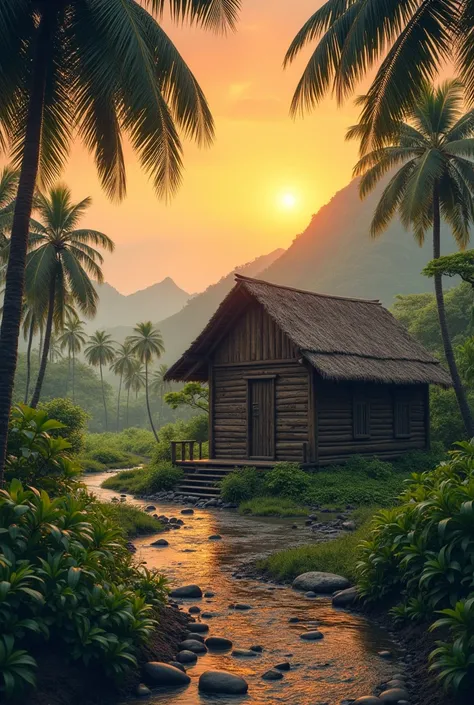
(228, 210)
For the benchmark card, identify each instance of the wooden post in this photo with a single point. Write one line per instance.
(173, 452)
(305, 452)
(191, 450)
(183, 450)
(200, 449)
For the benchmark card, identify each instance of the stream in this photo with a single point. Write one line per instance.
(343, 666)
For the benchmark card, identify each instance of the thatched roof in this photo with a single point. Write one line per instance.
(343, 338)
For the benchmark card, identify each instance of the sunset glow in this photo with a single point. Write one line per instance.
(288, 201)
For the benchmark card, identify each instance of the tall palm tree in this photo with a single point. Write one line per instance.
(434, 151)
(147, 344)
(61, 262)
(72, 339)
(100, 351)
(8, 187)
(135, 381)
(158, 384)
(33, 319)
(54, 349)
(95, 70)
(123, 366)
(406, 41)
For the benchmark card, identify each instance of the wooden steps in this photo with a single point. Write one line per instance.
(201, 481)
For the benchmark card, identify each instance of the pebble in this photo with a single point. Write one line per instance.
(150, 508)
(187, 591)
(194, 609)
(311, 636)
(187, 511)
(195, 636)
(193, 645)
(209, 593)
(162, 674)
(310, 593)
(218, 643)
(221, 682)
(179, 665)
(142, 690)
(215, 537)
(257, 648)
(285, 666)
(242, 606)
(186, 656)
(385, 654)
(272, 675)
(293, 620)
(160, 542)
(368, 700)
(394, 695)
(199, 627)
(244, 653)
(210, 615)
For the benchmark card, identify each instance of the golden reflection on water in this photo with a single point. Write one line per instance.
(343, 665)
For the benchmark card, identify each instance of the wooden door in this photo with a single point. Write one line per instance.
(261, 427)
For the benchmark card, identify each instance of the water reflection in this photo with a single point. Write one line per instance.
(342, 665)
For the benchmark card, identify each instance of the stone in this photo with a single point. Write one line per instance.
(194, 609)
(257, 648)
(210, 503)
(209, 593)
(187, 591)
(218, 643)
(312, 636)
(160, 542)
(293, 620)
(242, 606)
(395, 683)
(150, 508)
(187, 511)
(368, 700)
(244, 653)
(142, 690)
(210, 615)
(222, 682)
(317, 581)
(215, 537)
(162, 674)
(186, 656)
(199, 627)
(294, 526)
(193, 645)
(310, 593)
(385, 654)
(179, 665)
(394, 695)
(344, 598)
(349, 525)
(285, 666)
(195, 636)
(272, 675)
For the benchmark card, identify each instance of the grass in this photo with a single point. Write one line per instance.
(146, 480)
(132, 520)
(272, 507)
(338, 556)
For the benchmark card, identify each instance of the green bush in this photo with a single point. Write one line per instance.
(287, 480)
(67, 579)
(73, 418)
(447, 425)
(90, 465)
(148, 480)
(242, 484)
(133, 521)
(423, 550)
(272, 507)
(196, 429)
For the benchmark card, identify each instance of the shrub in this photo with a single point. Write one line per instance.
(196, 429)
(242, 484)
(148, 480)
(287, 480)
(272, 507)
(90, 465)
(107, 456)
(133, 521)
(424, 550)
(73, 418)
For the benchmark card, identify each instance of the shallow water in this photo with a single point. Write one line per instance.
(343, 665)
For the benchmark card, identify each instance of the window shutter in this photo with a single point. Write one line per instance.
(402, 418)
(361, 418)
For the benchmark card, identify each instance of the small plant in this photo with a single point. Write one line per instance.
(242, 484)
(157, 477)
(287, 480)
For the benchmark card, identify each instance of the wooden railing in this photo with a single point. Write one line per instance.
(186, 450)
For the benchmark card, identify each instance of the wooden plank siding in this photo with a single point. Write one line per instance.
(335, 410)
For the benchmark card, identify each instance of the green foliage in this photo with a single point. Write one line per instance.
(446, 422)
(242, 484)
(287, 480)
(90, 465)
(338, 556)
(34, 455)
(423, 549)
(193, 395)
(272, 507)
(67, 578)
(196, 429)
(138, 441)
(132, 520)
(458, 264)
(73, 418)
(156, 477)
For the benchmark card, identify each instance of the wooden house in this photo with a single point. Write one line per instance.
(306, 377)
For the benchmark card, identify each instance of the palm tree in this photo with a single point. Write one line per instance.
(8, 187)
(100, 351)
(96, 70)
(60, 263)
(435, 179)
(158, 384)
(33, 320)
(147, 344)
(135, 381)
(72, 338)
(54, 349)
(123, 366)
(406, 42)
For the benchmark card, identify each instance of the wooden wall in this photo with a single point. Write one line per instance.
(334, 405)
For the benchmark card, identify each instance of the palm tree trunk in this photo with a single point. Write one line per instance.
(68, 370)
(28, 359)
(40, 344)
(73, 375)
(47, 340)
(148, 404)
(128, 399)
(118, 402)
(15, 276)
(103, 396)
(443, 323)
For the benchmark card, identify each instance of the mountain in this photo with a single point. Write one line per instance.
(151, 304)
(180, 329)
(336, 254)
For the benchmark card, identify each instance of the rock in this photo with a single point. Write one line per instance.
(385, 654)
(199, 627)
(193, 645)
(180, 522)
(209, 593)
(218, 643)
(162, 674)
(312, 636)
(244, 653)
(194, 609)
(320, 582)
(395, 683)
(257, 648)
(210, 503)
(285, 666)
(150, 508)
(344, 598)
(394, 695)
(272, 675)
(242, 606)
(293, 620)
(210, 615)
(294, 526)
(215, 537)
(186, 656)
(195, 636)
(160, 542)
(187, 511)
(310, 594)
(142, 690)
(349, 525)
(221, 682)
(368, 700)
(179, 665)
(187, 591)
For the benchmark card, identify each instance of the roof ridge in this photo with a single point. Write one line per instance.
(240, 277)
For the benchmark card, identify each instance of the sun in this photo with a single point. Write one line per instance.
(288, 200)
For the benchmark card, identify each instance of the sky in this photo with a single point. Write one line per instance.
(255, 188)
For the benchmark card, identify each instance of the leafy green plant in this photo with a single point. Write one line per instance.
(17, 668)
(242, 484)
(73, 419)
(140, 481)
(287, 480)
(272, 506)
